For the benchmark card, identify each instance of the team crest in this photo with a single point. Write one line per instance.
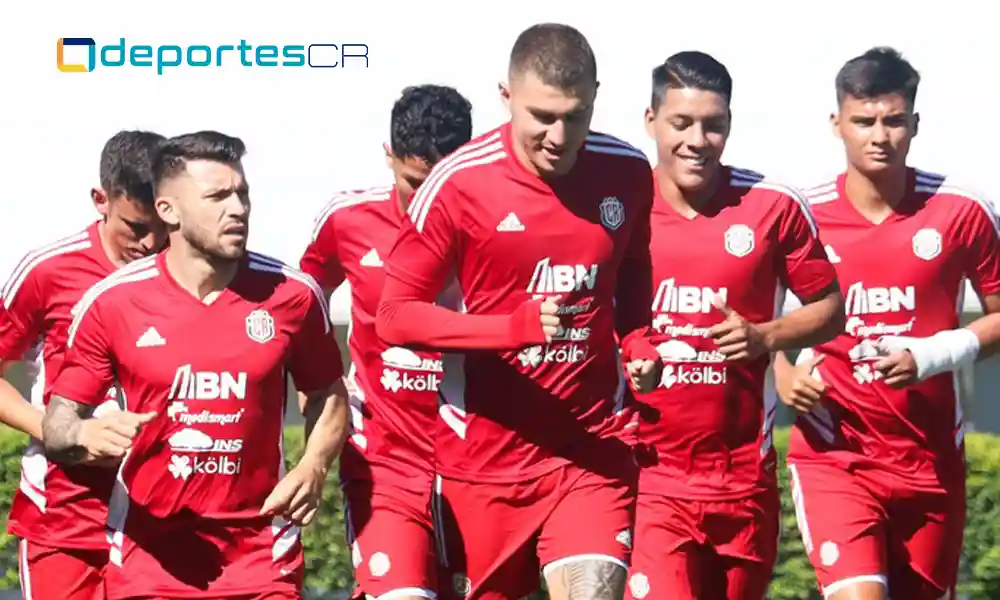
(612, 213)
(926, 244)
(260, 326)
(739, 240)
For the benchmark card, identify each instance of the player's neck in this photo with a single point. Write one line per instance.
(203, 277)
(875, 197)
(113, 254)
(687, 204)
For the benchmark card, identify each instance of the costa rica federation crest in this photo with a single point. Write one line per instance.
(260, 326)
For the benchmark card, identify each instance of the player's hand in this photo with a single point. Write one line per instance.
(107, 438)
(297, 496)
(802, 390)
(644, 374)
(736, 338)
(549, 317)
(898, 369)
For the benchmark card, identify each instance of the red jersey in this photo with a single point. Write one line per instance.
(184, 516)
(904, 276)
(514, 406)
(710, 425)
(55, 505)
(394, 389)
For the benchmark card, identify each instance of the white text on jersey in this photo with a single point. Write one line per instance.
(207, 385)
(551, 279)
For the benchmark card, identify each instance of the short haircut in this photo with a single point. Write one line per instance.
(558, 54)
(174, 153)
(127, 165)
(878, 72)
(691, 70)
(430, 122)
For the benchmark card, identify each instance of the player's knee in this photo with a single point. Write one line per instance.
(858, 590)
(587, 579)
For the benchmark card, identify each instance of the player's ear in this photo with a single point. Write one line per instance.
(504, 93)
(650, 119)
(388, 155)
(835, 123)
(100, 200)
(916, 124)
(167, 210)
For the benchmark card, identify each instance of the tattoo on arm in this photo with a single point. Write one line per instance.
(594, 580)
(60, 429)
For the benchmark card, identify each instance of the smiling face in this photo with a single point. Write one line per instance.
(690, 127)
(549, 124)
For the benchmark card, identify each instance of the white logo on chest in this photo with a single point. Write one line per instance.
(260, 326)
(739, 240)
(927, 243)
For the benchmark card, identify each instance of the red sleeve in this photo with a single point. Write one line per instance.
(320, 259)
(425, 252)
(22, 311)
(981, 231)
(314, 361)
(87, 372)
(803, 268)
(634, 294)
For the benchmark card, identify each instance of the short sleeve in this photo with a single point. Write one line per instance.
(981, 238)
(314, 360)
(425, 246)
(22, 310)
(803, 266)
(321, 260)
(87, 372)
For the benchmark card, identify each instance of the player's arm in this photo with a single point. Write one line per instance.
(22, 317)
(423, 256)
(805, 270)
(321, 259)
(916, 359)
(69, 431)
(634, 291)
(316, 368)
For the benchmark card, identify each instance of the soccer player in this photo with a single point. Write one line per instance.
(545, 227)
(388, 465)
(877, 466)
(201, 338)
(725, 243)
(59, 512)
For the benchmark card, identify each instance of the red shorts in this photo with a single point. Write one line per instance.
(391, 540)
(873, 525)
(693, 549)
(69, 574)
(494, 537)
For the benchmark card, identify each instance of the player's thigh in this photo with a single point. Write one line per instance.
(744, 535)
(391, 541)
(486, 536)
(54, 574)
(925, 544)
(843, 526)
(668, 557)
(591, 560)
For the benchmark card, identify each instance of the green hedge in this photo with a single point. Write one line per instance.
(328, 564)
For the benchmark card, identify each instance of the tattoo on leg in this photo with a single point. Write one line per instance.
(594, 580)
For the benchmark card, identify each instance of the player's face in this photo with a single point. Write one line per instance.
(876, 131)
(131, 230)
(690, 128)
(550, 124)
(210, 206)
(409, 173)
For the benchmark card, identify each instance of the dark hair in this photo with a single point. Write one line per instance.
(430, 122)
(173, 154)
(691, 70)
(127, 165)
(878, 72)
(558, 54)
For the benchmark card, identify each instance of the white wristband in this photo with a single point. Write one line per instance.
(944, 351)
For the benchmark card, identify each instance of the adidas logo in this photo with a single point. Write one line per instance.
(510, 223)
(371, 259)
(151, 338)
